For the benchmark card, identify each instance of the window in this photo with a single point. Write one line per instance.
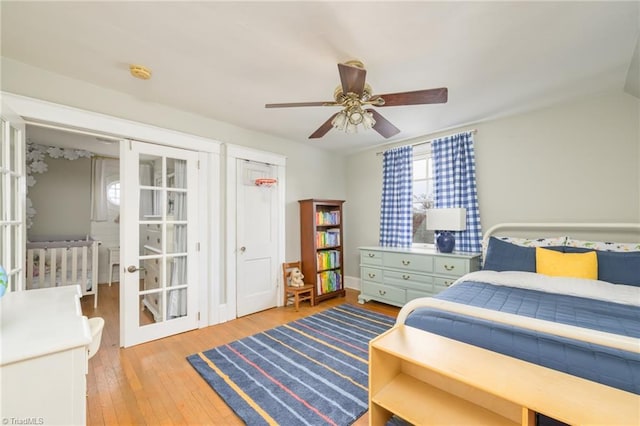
(113, 193)
(423, 193)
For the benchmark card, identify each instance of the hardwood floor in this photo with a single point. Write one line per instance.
(153, 384)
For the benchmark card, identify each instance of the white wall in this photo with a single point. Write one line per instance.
(311, 172)
(576, 162)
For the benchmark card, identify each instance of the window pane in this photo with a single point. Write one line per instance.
(422, 198)
(420, 169)
(113, 193)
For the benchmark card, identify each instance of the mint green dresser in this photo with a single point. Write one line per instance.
(396, 276)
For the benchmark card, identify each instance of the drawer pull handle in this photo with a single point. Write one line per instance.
(372, 255)
(158, 240)
(406, 262)
(372, 275)
(382, 292)
(449, 268)
(406, 277)
(448, 283)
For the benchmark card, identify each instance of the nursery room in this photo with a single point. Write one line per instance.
(320, 213)
(72, 200)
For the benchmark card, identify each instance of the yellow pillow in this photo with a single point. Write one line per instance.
(577, 265)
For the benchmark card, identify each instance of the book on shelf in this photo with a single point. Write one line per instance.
(328, 282)
(328, 238)
(328, 217)
(328, 259)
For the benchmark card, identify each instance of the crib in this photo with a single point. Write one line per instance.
(64, 262)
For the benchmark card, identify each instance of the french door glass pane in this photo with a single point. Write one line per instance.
(176, 303)
(4, 204)
(150, 202)
(163, 242)
(14, 211)
(12, 163)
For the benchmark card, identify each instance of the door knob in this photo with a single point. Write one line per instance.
(133, 268)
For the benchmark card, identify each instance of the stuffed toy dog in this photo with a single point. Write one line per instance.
(296, 278)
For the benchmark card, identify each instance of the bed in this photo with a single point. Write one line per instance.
(582, 330)
(72, 261)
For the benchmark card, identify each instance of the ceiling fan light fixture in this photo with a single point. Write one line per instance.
(368, 121)
(339, 122)
(351, 128)
(355, 117)
(350, 118)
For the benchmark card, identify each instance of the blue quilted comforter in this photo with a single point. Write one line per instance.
(609, 366)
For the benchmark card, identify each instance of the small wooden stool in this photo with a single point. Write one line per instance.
(297, 294)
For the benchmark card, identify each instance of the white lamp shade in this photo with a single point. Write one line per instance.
(454, 219)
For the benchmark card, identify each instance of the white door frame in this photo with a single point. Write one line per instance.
(37, 110)
(227, 306)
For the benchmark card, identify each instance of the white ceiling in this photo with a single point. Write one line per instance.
(225, 60)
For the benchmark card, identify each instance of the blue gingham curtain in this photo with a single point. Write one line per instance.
(397, 192)
(454, 168)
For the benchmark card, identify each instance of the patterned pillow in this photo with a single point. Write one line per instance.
(603, 246)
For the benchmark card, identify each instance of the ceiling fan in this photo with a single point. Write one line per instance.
(354, 95)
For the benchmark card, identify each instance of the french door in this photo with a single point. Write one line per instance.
(158, 241)
(13, 194)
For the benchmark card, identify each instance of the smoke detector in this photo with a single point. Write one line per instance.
(140, 71)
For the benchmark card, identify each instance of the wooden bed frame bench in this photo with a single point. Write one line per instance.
(427, 379)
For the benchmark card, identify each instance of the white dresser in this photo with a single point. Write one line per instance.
(396, 276)
(43, 357)
(152, 240)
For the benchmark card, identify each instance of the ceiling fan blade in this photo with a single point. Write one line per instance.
(383, 126)
(428, 96)
(301, 104)
(352, 78)
(322, 130)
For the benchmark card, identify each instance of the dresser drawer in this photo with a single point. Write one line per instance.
(415, 294)
(396, 296)
(152, 236)
(408, 279)
(369, 257)
(441, 283)
(408, 261)
(371, 274)
(451, 266)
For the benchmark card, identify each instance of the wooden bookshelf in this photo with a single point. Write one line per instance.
(321, 245)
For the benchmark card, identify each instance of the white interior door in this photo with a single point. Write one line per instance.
(257, 239)
(158, 241)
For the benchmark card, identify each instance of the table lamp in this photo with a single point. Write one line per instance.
(443, 221)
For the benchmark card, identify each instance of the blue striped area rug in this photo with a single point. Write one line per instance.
(313, 371)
